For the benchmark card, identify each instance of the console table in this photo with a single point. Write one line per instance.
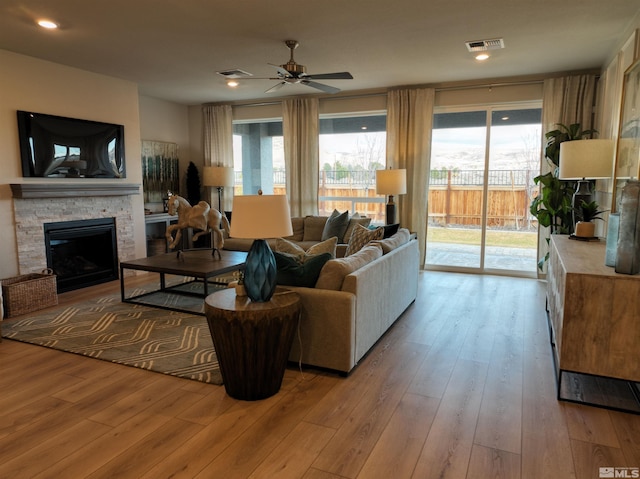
(594, 321)
(252, 340)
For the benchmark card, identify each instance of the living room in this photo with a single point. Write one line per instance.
(189, 430)
(81, 94)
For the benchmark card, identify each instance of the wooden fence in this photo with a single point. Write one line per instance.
(451, 201)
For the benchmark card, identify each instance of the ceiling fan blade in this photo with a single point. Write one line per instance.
(331, 76)
(276, 87)
(281, 71)
(320, 86)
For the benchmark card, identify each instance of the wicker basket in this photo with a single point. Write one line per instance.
(29, 292)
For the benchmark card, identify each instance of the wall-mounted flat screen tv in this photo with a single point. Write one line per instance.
(58, 147)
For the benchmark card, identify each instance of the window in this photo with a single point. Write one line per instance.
(351, 150)
(258, 157)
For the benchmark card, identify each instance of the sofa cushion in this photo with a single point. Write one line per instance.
(391, 243)
(336, 225)
(292, 272)
(297, 224)
(361, 236)
(285, 246)
(353, 221)
(313, 227)
(335, 270)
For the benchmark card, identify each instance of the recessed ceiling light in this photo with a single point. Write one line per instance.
(232, 83)
(482, 57)
(48, 24)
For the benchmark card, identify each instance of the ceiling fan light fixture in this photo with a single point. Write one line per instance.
(292, 73)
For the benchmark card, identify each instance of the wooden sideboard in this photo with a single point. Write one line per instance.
(594, 313)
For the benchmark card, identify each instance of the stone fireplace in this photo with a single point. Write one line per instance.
(35, 205)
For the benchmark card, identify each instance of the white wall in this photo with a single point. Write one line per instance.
(30, 84)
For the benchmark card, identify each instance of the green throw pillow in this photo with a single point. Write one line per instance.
(293, 273)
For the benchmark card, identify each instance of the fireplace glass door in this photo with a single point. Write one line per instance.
(82, 253)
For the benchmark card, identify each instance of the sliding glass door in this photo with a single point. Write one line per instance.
(482, 167)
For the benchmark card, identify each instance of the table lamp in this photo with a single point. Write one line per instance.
(391, 182)
(585, 160)
(218, 177)
(258, 217)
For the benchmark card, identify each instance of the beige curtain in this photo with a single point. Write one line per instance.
(218, 144)
(301, 154)
(409, 123)
(565, 100)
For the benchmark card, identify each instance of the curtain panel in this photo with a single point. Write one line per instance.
(565, 100)
(218, 144)
(300, 125)
(409, 124)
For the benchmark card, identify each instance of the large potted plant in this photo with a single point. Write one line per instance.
(552, 206)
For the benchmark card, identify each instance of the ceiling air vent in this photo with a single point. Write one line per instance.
(484, 45)
(234, 74)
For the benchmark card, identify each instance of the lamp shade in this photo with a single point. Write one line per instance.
(586, 159)
(391, 182)
(218, 176)
(261, 216)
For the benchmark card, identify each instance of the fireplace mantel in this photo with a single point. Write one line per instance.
(66, 190)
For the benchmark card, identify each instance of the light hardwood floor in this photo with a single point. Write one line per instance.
(461, 387)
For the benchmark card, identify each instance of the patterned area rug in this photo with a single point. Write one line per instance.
(159, 340)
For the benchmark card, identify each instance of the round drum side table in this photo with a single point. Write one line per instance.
(252, 340)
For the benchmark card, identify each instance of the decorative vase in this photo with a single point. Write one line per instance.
(585, 229)
(260, 272)
(628, 250)
(612, 239)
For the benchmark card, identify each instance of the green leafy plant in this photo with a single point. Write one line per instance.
(589, 211)
(561, 134)
(552, 206)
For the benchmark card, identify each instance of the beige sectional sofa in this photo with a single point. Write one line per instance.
(356, 298)
(339, 326)
(307, 231)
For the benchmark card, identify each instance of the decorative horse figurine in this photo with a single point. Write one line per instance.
(201, 217)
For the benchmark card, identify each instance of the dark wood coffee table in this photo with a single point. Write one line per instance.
(198, 264)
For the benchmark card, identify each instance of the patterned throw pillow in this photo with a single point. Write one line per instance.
(336, 225)
(353, 221)
(361, 236)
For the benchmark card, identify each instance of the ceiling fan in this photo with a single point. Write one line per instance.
(292, 73)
